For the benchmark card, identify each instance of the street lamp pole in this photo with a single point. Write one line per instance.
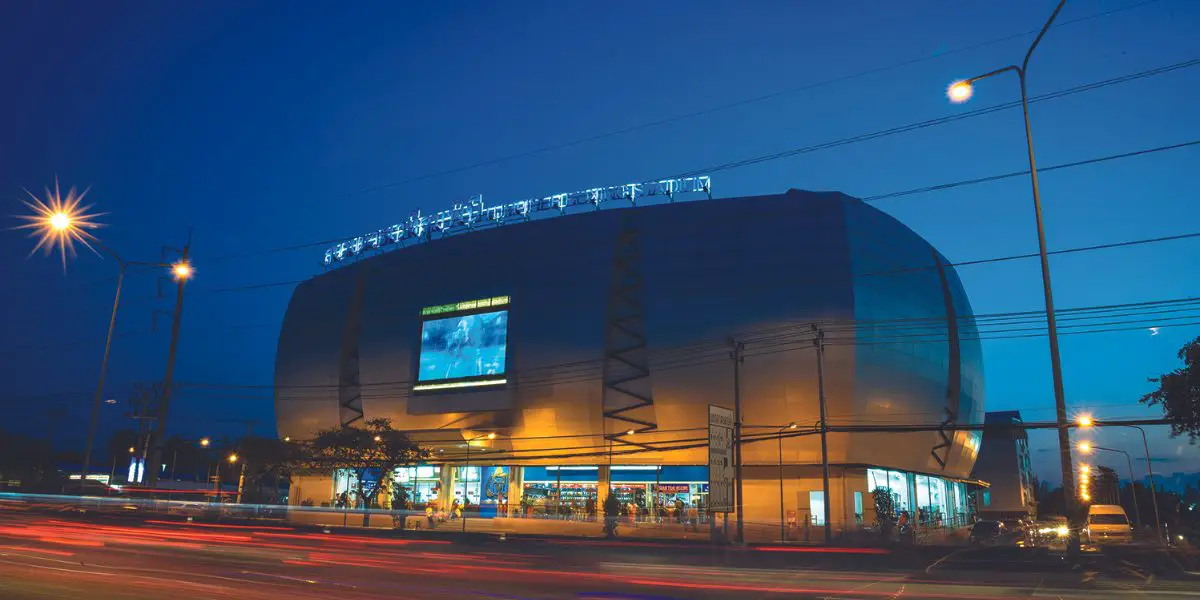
(112, 323)
(467, 479)
(182, 271)
(960, 92)
(1153, 494)
(1137, 513)
(1086, 421)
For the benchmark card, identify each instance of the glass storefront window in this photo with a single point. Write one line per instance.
(896, 480)
(816, 507)
(931, 499)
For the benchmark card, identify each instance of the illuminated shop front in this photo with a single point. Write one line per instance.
(927, 499)
(422, 483)
(640, 489)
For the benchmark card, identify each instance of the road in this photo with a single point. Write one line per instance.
(104, 557)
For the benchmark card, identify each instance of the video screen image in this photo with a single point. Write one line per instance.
(463, 346)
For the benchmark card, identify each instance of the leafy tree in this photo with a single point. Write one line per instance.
(1178, 393)
(268, 461)
(612, 512)
(400, 499)
(372, 449)
(1105, 486)
(30, 462)
(885, 510)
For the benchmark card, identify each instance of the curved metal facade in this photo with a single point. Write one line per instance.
(759, 269)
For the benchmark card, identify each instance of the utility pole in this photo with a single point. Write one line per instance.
(169, 378)
(249, 423)
(819, 342)
(738, 348)
(143, 417)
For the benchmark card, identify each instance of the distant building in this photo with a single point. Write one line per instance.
(1004, 463)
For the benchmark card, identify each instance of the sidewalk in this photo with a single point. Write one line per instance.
(505, 525)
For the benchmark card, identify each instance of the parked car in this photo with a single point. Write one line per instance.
(1108, 524)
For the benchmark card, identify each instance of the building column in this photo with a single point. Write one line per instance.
(603, 482)
(516, 489)
(446, 497)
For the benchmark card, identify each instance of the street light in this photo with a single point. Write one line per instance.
(467, 476)
(960, 92)
(204, 442)
(182, 269)
(1085, 421)
(1086, 448)
(59, 223)
(233, 458)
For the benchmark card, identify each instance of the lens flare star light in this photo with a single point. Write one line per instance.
(59, 222)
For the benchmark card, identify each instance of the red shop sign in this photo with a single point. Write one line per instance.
(673, 488)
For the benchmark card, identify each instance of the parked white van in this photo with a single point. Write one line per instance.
(1108, 524)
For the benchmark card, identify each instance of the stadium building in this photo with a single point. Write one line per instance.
(547, 361)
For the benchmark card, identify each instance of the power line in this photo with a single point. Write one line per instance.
(769, 341)
(1080, 163)
(939, 121)
(843, 141)
(939, 187)
(727, 106)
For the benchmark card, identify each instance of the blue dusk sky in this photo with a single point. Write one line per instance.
(266, 125)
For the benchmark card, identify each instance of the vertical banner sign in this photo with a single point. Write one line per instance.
(720, 459)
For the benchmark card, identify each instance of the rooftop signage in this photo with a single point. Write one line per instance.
(474, 214)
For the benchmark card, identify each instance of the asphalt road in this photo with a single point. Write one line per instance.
(45, 555)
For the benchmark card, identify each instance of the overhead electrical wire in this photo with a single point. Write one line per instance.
(734, 104)
(898, 271)
(1113, 317)
(834, 143)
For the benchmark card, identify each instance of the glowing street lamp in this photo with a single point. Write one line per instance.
(59, 222)
(961, 91)
(1085, 448)
(182, 270)
(204, 442)
(1086, 421)
(233, 458)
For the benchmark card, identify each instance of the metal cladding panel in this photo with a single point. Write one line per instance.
(308, 358)
(712, 269)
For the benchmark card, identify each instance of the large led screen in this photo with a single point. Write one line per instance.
(461, 349)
